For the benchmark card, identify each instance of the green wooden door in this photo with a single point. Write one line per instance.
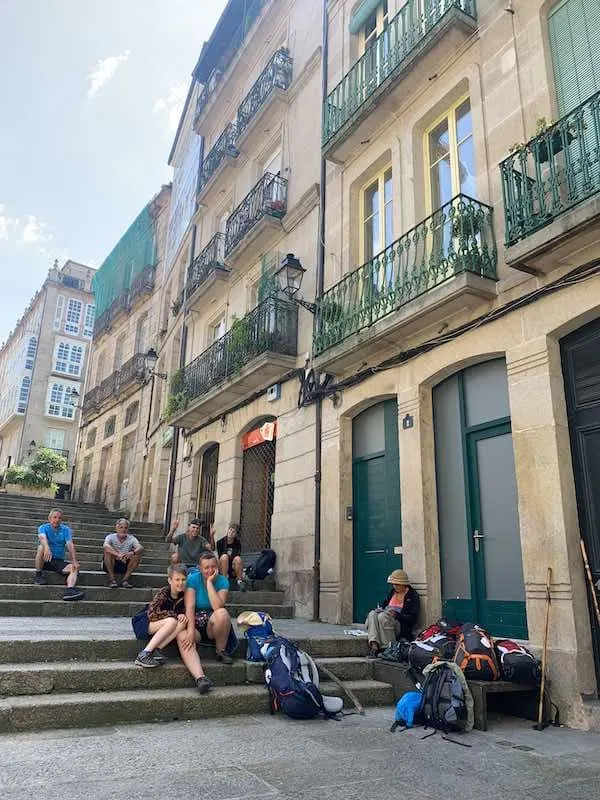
(376, 504)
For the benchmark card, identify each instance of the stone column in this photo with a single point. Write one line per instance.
(548, 521)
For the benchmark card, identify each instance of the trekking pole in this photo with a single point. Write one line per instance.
(588, 572)
(344, 688)
(540, 723)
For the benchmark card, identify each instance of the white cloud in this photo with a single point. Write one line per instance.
(35, 231)
(6, 223)
(171, 106)
(105, 69)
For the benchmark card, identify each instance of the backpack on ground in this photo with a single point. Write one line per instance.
(451, 629)
(397, 652)
(263, 566)
(407, 710)
(257, 628)
(517, 664)
(293, 682)
(475, 654)
(447, 702)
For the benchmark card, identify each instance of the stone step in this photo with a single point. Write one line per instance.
(86, 543)
(21, 528)
(117, 608)
(25, 560)
(79, 709)
(68, 676)
(125, 648)
(6, 498)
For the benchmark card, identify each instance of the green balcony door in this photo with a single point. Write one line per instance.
(377, 529)
(478, 521)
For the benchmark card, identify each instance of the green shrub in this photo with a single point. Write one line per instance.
(38, 474)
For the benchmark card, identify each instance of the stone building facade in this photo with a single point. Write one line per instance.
(461, 317)
(42, 370)
(123, 450)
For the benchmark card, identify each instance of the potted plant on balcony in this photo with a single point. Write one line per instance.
(239, 339)
(275, 207)
(554, 143)
(178, 398)
(37, 478)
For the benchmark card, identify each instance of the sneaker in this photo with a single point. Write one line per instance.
(73, 594)
(241, 585)
(126, 585)
(40, 580)
(144, 659)
(224, 657)
(113, 585)
(203, 684)
(159, 656)
(373, 651)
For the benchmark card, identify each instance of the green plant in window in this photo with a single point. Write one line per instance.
(178, 399)
(239, 339)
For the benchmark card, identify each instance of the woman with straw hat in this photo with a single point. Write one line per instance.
(395, 617)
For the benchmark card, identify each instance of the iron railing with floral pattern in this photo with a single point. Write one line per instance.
(457, 238)
(132, 371)
(267, 198)
(224, 146)
(276, 75)
(552, 172)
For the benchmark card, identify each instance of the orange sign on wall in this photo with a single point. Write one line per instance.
(266, 433)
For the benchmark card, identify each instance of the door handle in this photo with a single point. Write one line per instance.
(374, 552)
(476, 537)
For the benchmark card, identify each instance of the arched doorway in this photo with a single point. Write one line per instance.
(207, 495)
(377, 527)
(478, 519)
(258, 486)
(581, 370)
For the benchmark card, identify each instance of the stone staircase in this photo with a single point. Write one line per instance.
(80, 673)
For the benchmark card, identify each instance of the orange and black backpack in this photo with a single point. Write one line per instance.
(475, 654)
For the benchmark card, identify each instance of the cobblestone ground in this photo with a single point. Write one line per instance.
(271, 757)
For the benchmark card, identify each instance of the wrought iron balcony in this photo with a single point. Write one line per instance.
(276, 75)
(271, 327)
(223, 147)
(132, 371)
(63, 453)
(268, 198)
(455, 239)
(143, 283)
(552, 172)
(405, 34)
(209, 260)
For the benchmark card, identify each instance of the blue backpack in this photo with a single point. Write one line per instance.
(256, 635)
(293, 682)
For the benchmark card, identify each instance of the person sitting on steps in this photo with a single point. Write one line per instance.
(54, 536)
(122, 554)
(208, 619)
(229, 551)
(162, 621)
(190, 545)
(395, 618)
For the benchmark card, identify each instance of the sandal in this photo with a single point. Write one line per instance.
(113, 585)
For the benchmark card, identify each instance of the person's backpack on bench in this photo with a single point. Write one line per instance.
(263, 566)
(475, 654)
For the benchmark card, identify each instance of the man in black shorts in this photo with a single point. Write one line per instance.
(54, 536)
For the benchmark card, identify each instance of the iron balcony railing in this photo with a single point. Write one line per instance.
(224, 146)
(251, 13)
(553, 172)
(210, 259)
(59, 452)
(276, 75)
(268, 198)
(457, 238)
(132, 371)
(270, 327)
(403, 35)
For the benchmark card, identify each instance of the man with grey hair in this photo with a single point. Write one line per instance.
(122, 555)
(53, 538)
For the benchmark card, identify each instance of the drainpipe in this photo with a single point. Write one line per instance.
(320, 284)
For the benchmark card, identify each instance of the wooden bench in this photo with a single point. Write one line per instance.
(482, 689)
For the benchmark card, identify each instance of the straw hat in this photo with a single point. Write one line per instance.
(398, 578)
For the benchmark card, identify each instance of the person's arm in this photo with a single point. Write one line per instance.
(171, 533)
(410, 610)
(211, 537)
(385, 603)
(137, 548)
(190, 613)
(156, 608)
(44, 543)
(108, 548)
(216, 598)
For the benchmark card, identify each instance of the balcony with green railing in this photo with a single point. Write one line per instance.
(551, 174)
(222, 149)
(415, 29)
(446, 261)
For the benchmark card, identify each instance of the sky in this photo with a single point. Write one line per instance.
(91, 93)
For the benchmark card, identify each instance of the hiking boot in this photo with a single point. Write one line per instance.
(373, 651)
(126, 585)
(241, 585)
(159, 656)
(144, 659)
(113, 585)
(73, 594)
(40, 579)
(224, 657)
(203, 684)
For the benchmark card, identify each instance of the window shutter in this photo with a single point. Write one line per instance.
(574, 27)
(362, 14)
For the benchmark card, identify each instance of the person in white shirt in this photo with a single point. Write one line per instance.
(122, 555)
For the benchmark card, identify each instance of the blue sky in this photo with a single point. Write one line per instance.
(91, 94)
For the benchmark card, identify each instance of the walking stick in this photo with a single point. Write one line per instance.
(588, 572)
(540, 723)
(344, 688)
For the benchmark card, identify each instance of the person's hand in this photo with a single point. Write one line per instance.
(187, 642)
(75, 565)
(47, 554)
(211, 578)
(182, 618)
(181, 623)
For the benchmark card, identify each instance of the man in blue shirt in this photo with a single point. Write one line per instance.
(208, 619)
(54, 537)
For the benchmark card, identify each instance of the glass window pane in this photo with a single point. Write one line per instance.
(466, 167)
(370, 25)
(464, 124)
(372, 237)
(387, 192)
(439, 142)
(441, 183)
(389, 224)
(371, 201)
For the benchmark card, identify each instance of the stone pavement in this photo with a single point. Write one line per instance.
(271, 757)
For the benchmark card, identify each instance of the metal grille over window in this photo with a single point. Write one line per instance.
(207, 498)
(131, 414)
(109, 426)
(258, 487)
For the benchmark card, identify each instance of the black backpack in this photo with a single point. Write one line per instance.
(263, 566)
(444, 701)
(517, 664)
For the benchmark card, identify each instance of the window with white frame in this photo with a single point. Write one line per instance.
(69, 358)
(88, 321)
(217, 329)
(24, 395)
(54, 438)
(58, 315)
(73, 316)
(59, 400)
(31, 351)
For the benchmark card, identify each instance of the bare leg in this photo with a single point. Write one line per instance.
(238, 568)
(174, 557)
(132, 565)
(109, 563)
(39, 558)
(164, 631)
(218, 627)
(224, 565)
(72, 575)
(190, 658)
